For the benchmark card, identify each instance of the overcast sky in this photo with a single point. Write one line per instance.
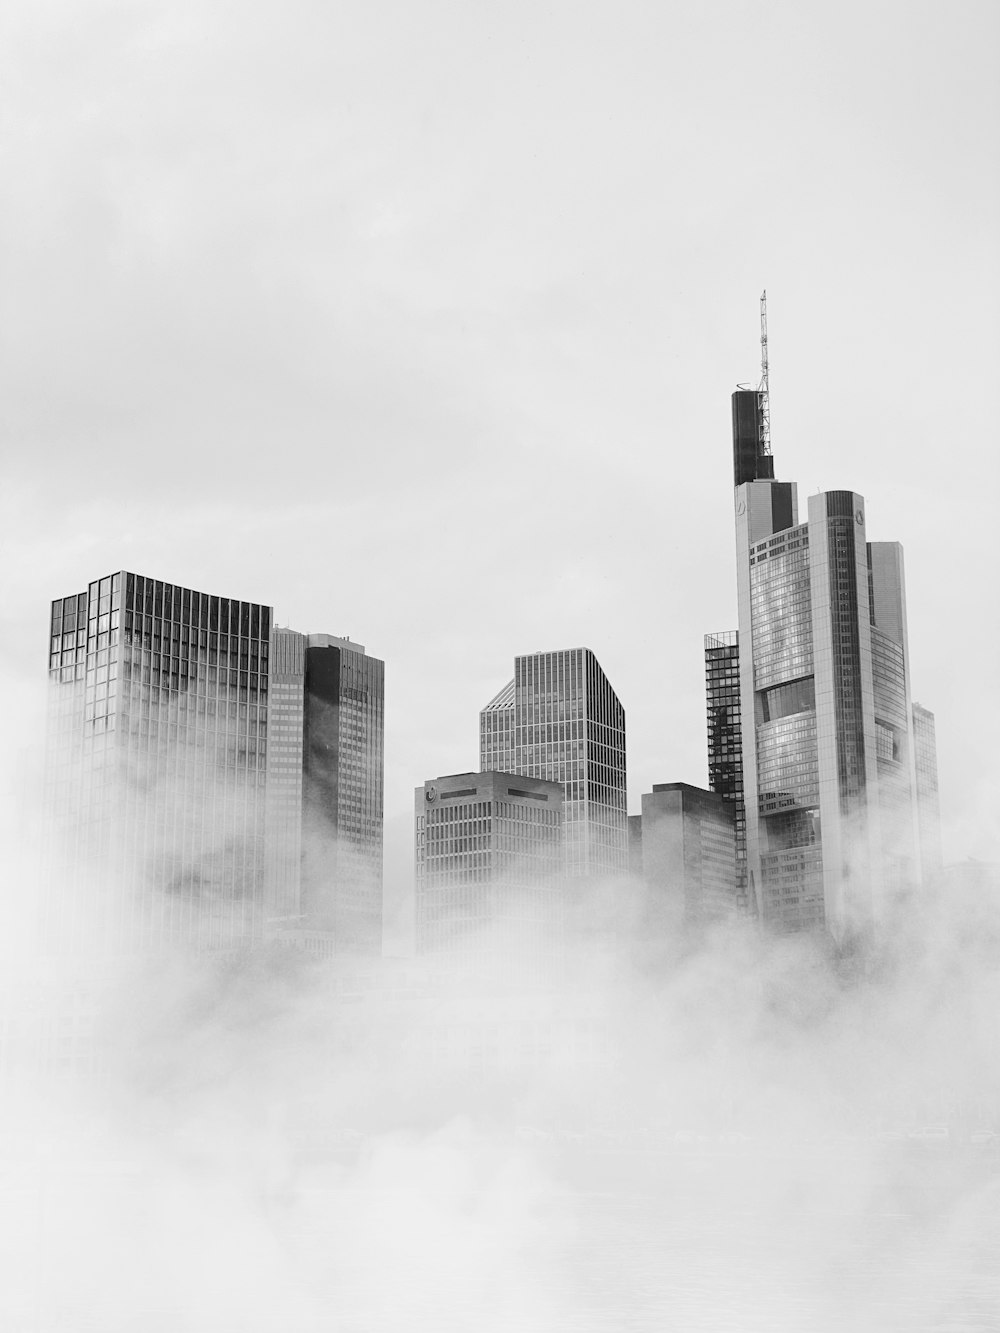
(419, 321)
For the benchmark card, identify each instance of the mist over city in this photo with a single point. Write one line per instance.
(498, 789)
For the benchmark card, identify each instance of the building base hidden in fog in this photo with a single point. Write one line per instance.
(725, 740)
(686, 857)
(826, 764)
(489, 862)
(210, 779)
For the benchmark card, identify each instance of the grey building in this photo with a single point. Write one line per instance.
(181, 777)
(489, 865)
(688, 857)
(559, 719)
(928, 807)
(635, 846)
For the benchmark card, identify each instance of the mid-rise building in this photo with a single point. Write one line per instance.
(489, 866)
(560, 720)
(827, 737)
(688, 858)
(184, 744)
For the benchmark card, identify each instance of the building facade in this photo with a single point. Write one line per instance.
(725, 740)
(489, 865)
(827, 739)
(688, 857)
(177, 770)
(560, 720)
(327, 783)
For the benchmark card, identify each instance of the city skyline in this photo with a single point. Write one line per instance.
(651, 755)
(394, 936)
(425, 346)
(417, 325)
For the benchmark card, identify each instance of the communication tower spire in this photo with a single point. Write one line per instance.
(763, 392)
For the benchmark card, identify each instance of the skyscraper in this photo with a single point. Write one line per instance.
(327, 780)
(827, 737)
(560, 719)
(489, 864)
(176, 774)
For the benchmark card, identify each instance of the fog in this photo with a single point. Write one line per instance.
(722, 1131)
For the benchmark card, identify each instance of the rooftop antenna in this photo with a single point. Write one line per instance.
(763, 392)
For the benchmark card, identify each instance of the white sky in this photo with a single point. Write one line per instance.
(420, 321)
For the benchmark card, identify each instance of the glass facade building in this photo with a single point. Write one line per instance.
(725, 741)
(342, 796)
(176, 770)
(559, 719)
(157, 767)
(827, 742)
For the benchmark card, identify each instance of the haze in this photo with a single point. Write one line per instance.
(420, 322)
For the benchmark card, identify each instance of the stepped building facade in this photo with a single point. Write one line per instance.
(560, 720)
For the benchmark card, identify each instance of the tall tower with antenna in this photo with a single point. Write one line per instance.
(819, 745)
(752, 459)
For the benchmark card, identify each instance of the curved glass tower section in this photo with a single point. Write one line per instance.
(827, 758)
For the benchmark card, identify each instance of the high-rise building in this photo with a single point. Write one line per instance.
(827, 738)
(688, 857)
(489, 865)
(326, 781)
(559, 719)
(186, 739)
(725, 743)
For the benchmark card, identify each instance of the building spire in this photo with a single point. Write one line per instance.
(752, 459)
(763, 391)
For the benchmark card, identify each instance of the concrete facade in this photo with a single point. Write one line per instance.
(489, 857)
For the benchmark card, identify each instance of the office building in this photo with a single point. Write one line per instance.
(489, 864)
(725, 743)
(560, 720)
(326, 782)
(827, 738)
(688, 858)
(183, 791)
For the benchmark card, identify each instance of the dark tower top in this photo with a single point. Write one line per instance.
(750, 462)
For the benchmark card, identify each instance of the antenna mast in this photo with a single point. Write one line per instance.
(763, 393)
